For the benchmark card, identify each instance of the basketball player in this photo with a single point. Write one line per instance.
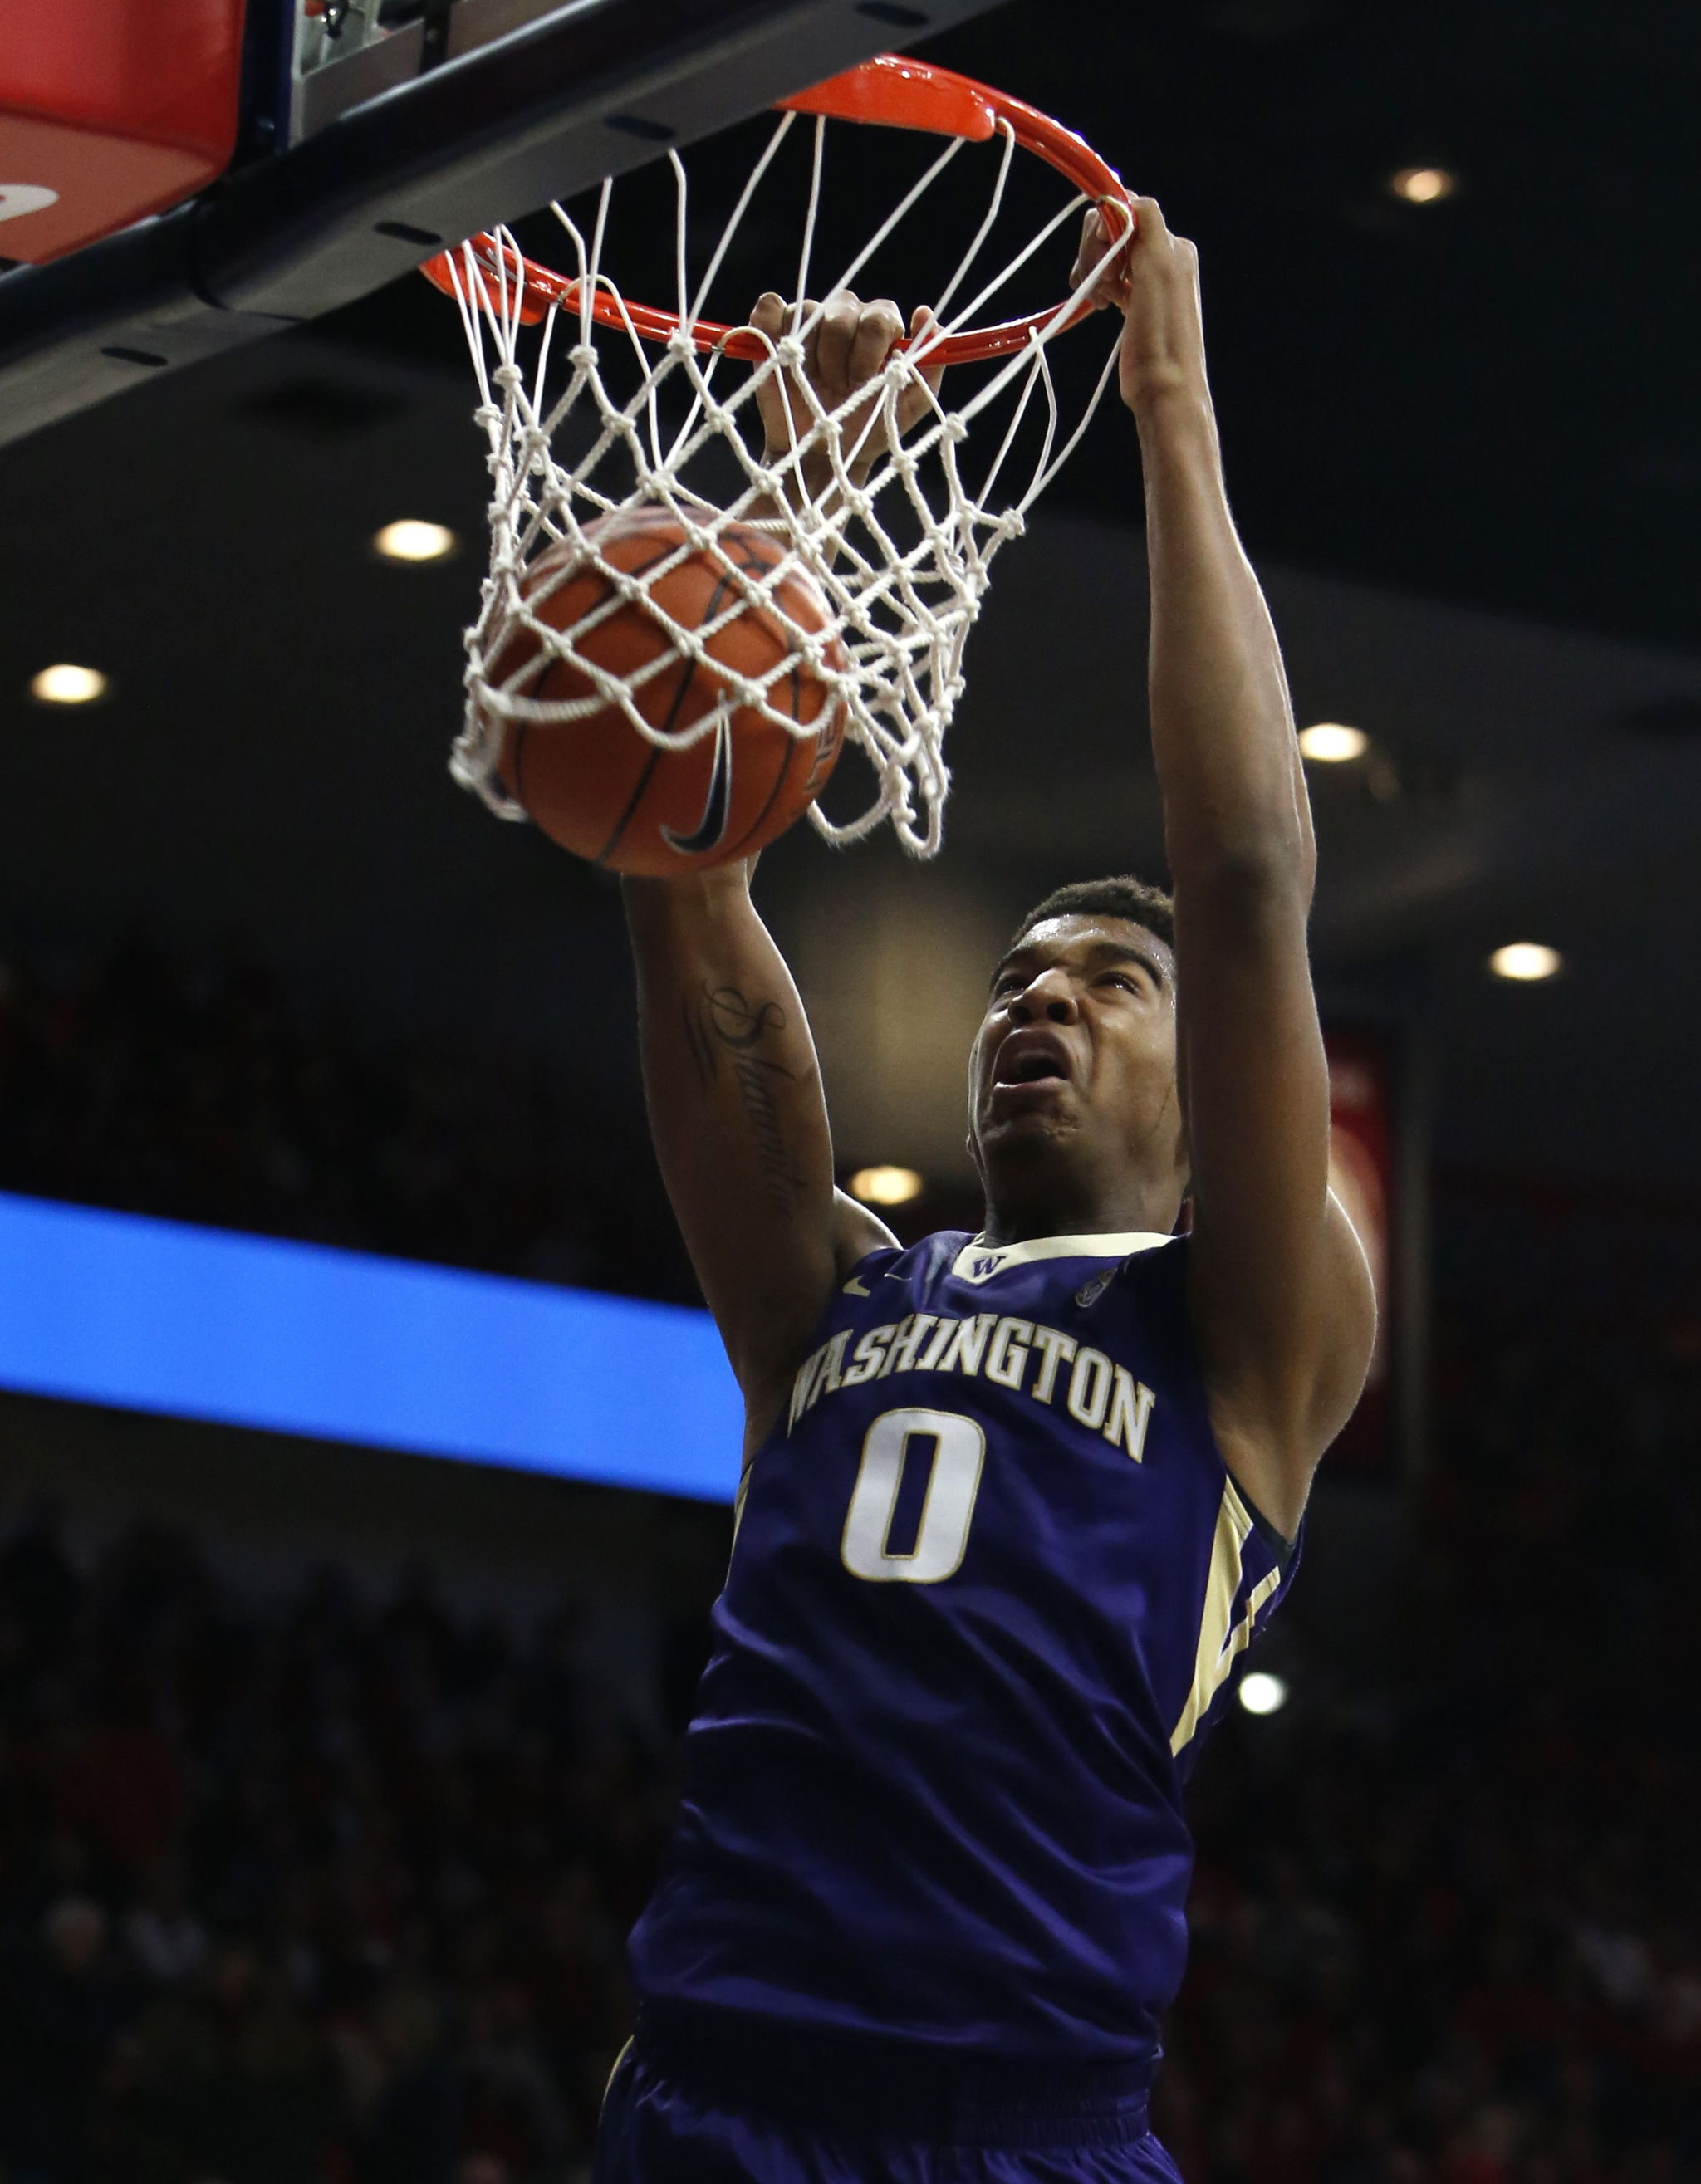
(1013, 1503)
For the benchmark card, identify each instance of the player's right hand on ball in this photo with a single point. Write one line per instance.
(845, 346)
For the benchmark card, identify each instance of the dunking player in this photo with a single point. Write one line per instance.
(1012, 1503)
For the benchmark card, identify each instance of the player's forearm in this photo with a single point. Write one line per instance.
(729, 1066)
(736, 1110)
(815, 486)
(1222, 729)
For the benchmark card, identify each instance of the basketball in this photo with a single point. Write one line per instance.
(598, 786)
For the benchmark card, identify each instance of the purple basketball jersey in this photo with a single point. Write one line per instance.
(990, 1578)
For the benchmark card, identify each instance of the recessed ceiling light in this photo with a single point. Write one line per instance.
(1526, 960)
(412, 540)
(65, 685)
(1423, 185)
(1331, 743)
(885, 1186)
(1263, 1693)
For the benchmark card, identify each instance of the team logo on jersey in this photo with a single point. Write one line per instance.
(981, 1269)
(1089, 1293)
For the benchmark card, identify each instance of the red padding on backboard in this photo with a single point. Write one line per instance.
(110, 109)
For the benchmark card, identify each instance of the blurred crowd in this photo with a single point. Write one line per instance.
(327, 1893)
(332, 1890)
(200, 1090)
(1447, 1920)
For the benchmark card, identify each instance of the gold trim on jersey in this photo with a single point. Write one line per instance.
(1220, 1645)
(979, 1262)
(608, 2086)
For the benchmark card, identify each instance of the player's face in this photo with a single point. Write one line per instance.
(1074, 1069)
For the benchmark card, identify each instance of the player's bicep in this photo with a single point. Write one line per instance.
(737, 1115)
(1281, 1291)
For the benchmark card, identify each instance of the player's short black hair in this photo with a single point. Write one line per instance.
(1122, 895)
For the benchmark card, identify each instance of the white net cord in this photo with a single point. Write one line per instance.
(895, 533)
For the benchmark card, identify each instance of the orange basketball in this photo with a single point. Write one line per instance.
(599, 787)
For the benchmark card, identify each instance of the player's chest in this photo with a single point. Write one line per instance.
(954, 1424)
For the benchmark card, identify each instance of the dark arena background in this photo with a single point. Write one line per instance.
(340, 1704)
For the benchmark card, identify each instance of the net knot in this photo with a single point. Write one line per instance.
(508, 376)
(955, 428)
(582, 356)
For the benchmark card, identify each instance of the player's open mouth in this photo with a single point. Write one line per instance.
(1026, 1058)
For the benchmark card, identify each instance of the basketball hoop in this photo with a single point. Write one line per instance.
(899, 544)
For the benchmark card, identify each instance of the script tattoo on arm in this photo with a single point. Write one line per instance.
(727, 1023)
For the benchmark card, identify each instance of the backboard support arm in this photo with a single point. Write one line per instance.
(595, 88)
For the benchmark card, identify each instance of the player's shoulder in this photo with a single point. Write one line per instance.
(915, 1267)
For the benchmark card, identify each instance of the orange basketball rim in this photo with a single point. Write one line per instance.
(896, 92)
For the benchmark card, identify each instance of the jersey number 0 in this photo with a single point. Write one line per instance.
(959, 1449)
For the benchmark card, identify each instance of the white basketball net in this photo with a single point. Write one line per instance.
(901, 605)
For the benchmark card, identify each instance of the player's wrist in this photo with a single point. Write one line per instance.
(1153, 382)
(813, 480)
(704, 879)
(655, 903)
(1172, 404)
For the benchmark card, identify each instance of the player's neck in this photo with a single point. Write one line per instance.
(1132, 1208)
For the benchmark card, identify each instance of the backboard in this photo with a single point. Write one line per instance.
(371, 136)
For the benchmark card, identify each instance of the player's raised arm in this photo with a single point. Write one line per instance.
(730, 1076)
(736, 1110)
(1281, 1295)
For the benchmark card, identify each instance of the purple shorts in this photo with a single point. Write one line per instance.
(655, 2130)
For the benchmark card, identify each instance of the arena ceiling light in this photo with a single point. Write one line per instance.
(1423, 185)
(1332, 742)
(412, 540)
(885, 1186)
(62, 684)
(1527, 961)
(1263, 1693)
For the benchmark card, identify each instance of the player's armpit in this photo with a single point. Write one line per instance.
(739, 1119)
(856, 1232)
(1275, 1410)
